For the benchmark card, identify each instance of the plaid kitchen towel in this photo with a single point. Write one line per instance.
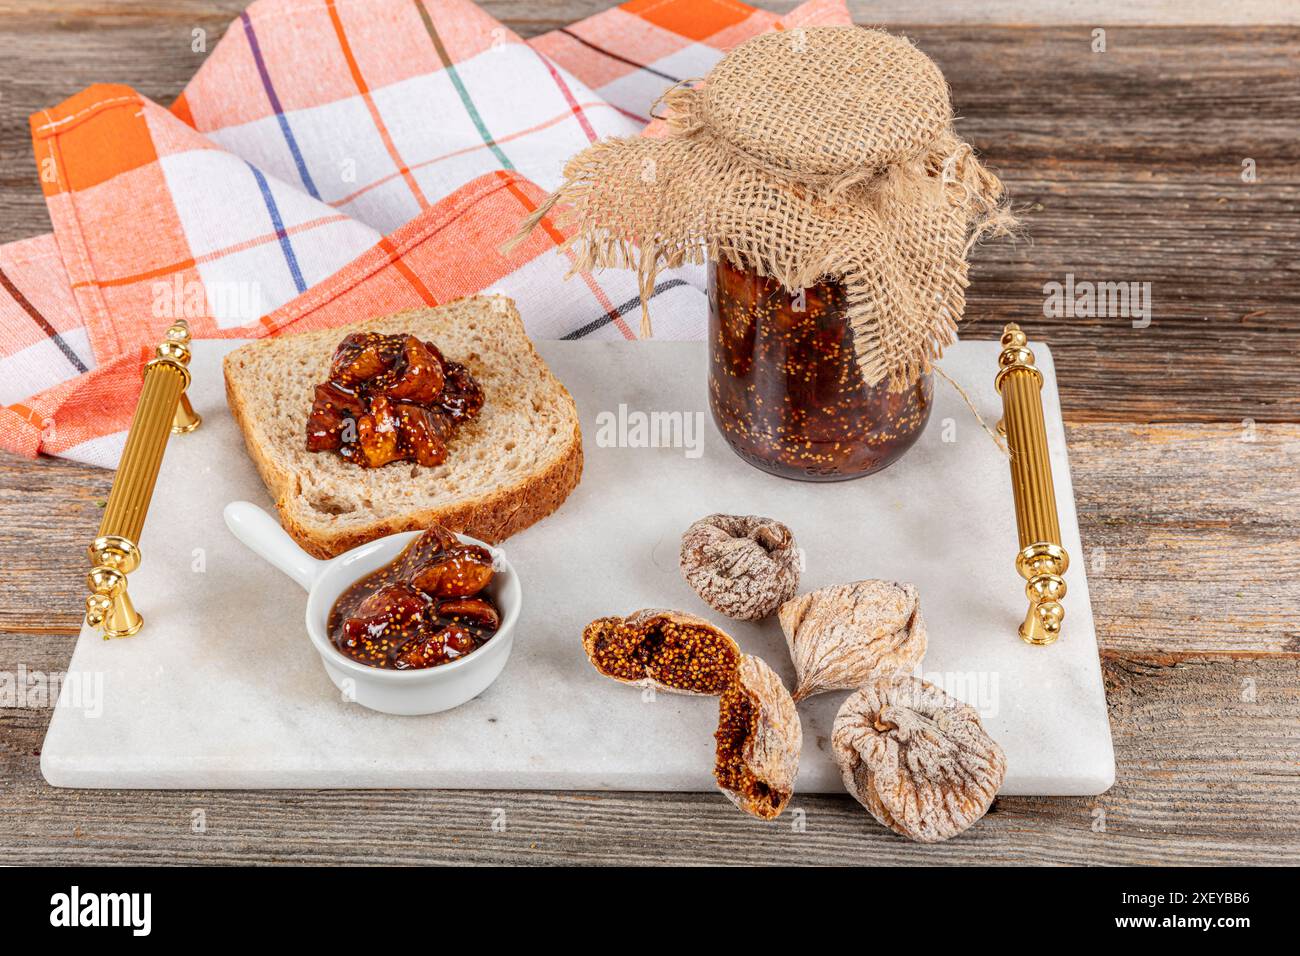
(331, 160)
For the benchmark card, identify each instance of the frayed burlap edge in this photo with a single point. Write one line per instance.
(898, 236)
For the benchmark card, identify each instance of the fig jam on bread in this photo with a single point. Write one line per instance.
(390, 398)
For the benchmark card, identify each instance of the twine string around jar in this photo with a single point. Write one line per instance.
(997, 439)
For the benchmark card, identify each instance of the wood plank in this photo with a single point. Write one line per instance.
(50, 511)
(1127, 165)
(1190, 536)
(1207, 774)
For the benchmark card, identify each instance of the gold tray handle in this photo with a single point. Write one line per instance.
(1042, 562)
(164, 410)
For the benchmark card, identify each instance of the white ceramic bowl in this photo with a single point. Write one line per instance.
(408, 692)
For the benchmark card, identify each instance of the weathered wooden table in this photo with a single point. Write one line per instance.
(1184, 437)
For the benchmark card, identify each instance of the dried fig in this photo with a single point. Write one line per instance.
(670, 650)
(743, 566)
(841, 637)
(916, 758)
(759, 739)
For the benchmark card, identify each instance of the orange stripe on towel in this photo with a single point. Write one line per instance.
(396, 258)
(364, 90)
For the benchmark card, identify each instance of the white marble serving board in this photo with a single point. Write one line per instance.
(222, 688)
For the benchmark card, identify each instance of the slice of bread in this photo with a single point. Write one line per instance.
(507, 469)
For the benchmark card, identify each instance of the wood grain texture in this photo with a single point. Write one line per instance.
(1191, 535)
(50, 511)
(1126, 166)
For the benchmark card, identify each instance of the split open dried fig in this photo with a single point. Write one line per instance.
(743, 566)
(758, 741)
(916, 758)
(667, 649)
(841, 637)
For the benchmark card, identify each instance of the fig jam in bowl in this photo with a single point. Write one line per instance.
(472, 658)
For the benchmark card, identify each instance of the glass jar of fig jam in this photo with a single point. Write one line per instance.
(784, 386)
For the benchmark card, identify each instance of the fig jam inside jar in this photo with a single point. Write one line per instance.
(785, 388)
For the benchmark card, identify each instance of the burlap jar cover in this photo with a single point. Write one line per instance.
(812, 154)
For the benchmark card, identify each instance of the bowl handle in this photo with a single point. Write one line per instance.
(262, 535)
